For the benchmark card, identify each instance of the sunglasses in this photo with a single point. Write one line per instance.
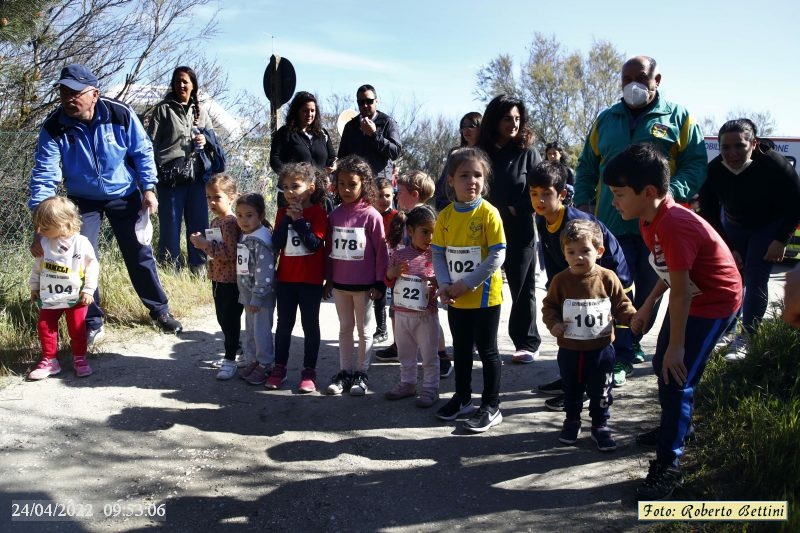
(470, 126)
(365, 101)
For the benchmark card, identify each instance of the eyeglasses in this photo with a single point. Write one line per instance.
(365, 101)
(470, 126)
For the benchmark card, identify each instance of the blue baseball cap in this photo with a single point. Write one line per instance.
(77, 77)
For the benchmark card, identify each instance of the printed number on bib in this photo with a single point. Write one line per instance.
(587, 319)
(663, 272)
(294, 246)
(347, 244)
(410, 292)
(462, 260)
(58, 292)
(214, 235)
(242, 260)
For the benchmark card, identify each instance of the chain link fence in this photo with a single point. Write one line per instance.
(247, 162)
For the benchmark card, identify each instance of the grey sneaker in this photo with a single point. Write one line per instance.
(93, 336)
(226, 370)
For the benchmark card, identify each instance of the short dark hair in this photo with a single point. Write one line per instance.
(366, 87)
(739, 125)
(579, 229)
(638, 166)
(548, 174)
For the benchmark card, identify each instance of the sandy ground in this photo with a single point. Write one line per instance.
(152, 432)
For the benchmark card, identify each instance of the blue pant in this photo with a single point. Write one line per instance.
(122, 214)
(587, 371)
(307, 297)
(677, 401)
(644, 279)
(183, 203)
(752, 244)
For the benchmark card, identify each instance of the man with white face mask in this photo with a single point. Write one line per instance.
(642, 115)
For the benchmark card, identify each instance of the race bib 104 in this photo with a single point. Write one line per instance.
(462, 260)
(347, 244)
(587, 319)
(58, 291)
(411, 292)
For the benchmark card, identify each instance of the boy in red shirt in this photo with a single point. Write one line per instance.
(693, 261)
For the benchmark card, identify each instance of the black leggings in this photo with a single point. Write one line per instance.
(478, 327)
(229, 315)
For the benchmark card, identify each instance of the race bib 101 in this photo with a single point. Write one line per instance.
(462, 260)
(587, 319)
(347, 244)
(410, 292)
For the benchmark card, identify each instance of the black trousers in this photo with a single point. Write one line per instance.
(587, 371)
(229, 315)
(478, 327)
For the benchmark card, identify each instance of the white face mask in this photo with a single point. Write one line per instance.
(635, 94)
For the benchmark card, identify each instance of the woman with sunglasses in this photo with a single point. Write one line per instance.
(506, 138)
(468, 129)
(302, 139)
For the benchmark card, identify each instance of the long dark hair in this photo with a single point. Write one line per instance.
(300, 99)
(475, 118)
(359, 167)
(193, 95)
(495, 111)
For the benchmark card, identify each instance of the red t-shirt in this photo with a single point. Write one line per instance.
(678, 240)
(387, 219)
(304, 268)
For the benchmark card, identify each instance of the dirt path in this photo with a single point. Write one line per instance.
(153, 431)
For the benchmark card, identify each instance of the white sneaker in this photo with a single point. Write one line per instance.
(93, 336)
(726, 340)
(227, 370)
(737, 350)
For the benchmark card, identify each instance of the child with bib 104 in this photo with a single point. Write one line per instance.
(578, 310)
(63, 281)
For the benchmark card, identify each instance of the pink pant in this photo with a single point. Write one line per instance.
(48, 330)
(412, 332)
(355, 311)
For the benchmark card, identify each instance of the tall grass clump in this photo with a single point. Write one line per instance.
(750, 416)
(18, 340)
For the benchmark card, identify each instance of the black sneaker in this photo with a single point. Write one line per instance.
(388, 354)
(380, 336)
(554, 388)
(557, 403)
(660, 482)
(445, 368)
(602, 437)
(340, 383)
(455, 408)
(359, 386)
(168, 324)
(570, 431)
(649, 439)
(483, 419)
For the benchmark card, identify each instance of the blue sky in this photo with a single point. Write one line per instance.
(714, 56)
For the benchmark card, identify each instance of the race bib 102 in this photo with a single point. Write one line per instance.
(462, 260)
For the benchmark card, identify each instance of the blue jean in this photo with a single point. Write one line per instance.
(182, 203)
(677, 401)
(752, 244)
(122, 214)
(644, 279)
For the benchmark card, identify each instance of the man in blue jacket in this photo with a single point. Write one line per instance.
(100, 151)
(642, 115)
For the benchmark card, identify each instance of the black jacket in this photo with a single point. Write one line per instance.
(296, 147)
(378, 149)
(508, 188)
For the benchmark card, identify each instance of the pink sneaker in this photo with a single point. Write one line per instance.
(276, 377)
(45, 369)
(308, 381)
(81, 366)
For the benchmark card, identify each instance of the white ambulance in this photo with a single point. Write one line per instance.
(789, 147)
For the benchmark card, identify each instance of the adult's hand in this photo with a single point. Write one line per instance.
(775, 252)
(368, 127)
(150, 201)
(36, 246)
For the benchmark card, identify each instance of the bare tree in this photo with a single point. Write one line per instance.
(426, 144)
(122, 41)
(764, 121)
(563, 90)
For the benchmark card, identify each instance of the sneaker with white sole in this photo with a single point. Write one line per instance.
(737, 350)
(620, 373)
(554, 388)
(248, 369)
(360, 384)
(258, 376)
(340, 383)
(45, 369)
(308, 381)
(454, 408)
(226, 370)
(660, 482)
(168, 324)
(524, 357)
(602, 437)
(483, 419)
(427, 398)
(445, 367)
(556, 403)
(94, 336)
(276, 378)
(570, 431)
(401, 390)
